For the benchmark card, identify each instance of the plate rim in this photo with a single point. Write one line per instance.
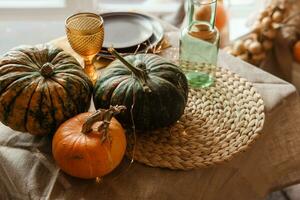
(158, 30)
(132, 14)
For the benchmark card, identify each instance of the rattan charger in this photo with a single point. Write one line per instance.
(218, 123)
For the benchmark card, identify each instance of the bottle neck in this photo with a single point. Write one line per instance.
(202, 11)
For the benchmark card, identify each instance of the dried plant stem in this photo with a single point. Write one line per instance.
(104, 117)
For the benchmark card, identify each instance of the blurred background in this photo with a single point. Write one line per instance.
(37, 21)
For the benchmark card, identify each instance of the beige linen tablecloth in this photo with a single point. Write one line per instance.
(27, 169)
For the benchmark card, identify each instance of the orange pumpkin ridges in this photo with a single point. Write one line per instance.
(90, 145)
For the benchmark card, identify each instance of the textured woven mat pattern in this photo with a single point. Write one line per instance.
(218, 123)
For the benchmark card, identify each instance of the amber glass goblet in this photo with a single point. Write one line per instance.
(85, 34)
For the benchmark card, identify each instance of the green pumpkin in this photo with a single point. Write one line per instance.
(41, 87)
(154, 90)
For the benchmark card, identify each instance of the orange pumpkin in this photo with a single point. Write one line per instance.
(221, 17)
(296, 51)
(90, 145)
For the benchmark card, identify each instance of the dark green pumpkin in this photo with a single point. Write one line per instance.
(153, 89)
(41, 87)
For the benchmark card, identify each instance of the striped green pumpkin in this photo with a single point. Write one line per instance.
(41, 87)
(153, 89)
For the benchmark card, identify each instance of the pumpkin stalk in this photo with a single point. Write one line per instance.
(104, 117)
(139, 71)
(47, 69)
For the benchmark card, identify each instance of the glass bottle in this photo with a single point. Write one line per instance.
(199, 43)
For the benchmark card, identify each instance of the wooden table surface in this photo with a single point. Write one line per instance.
(28, 171)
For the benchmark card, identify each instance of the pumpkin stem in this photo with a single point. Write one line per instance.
(139, 71)
(104, 117)
(47, 69)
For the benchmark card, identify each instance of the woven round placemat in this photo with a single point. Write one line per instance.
(219, 122)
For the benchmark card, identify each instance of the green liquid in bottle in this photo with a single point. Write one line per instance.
(199, 79)
(199, 44)
(198, 60)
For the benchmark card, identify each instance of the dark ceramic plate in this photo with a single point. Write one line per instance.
(124, 30)
(129, 41)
